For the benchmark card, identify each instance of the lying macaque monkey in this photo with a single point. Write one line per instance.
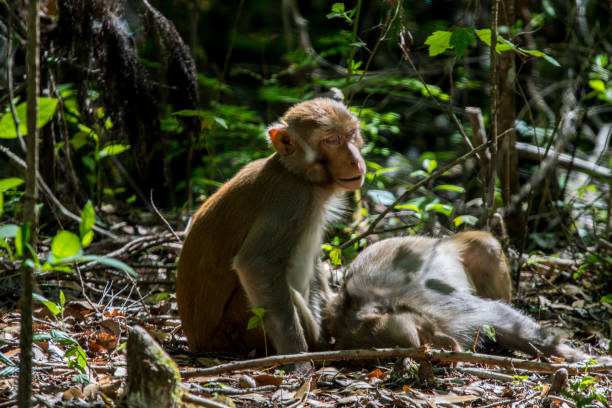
(413, 291)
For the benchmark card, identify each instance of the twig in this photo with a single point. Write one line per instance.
(45, 188)
(561, 399)
(499, 403)
(479, 135)
(164, 220)
(80, 275)
(435, 356)
(204, 402)
(466, 139)
(386, 26)
(9, 75)
(492, 170)
(419, 184)
(490, 375)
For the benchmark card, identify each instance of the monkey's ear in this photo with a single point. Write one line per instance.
(280, 138)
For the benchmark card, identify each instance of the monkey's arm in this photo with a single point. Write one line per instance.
(263, 264)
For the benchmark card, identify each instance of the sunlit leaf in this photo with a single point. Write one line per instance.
(53, 308)
(335, 255)
(65, 244)
(440, 208)
(46, 109)
(112, 150)
(9, 183)
(489, 331)
(450, 187)
(438, 42)
(465, 219)
(88, 219)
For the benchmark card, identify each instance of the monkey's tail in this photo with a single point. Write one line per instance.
(513, 329)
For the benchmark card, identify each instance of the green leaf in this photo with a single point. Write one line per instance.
(606, 299)
(112, 150)
(461, 39)
(450, 187)
(254, 322)
(7, 361)
(9, 231)
(259, 311)
(430, 165)
(22, 238)
(112, 262)
(65, 244)
(46, 109)
(80, 358)
(440, 208)
(88, 219)
(62, 299)
(9, 183)
(381, 197)
(53, 308)
(540, 54)
(438, 42)
(465, 219)
(335, 255)
(502, 44)
(257, 320)
(489, 331)
(548, 8)
(63, 338)
(596, 84)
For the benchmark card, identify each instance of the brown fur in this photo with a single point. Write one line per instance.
(414, 291)
(254, 243)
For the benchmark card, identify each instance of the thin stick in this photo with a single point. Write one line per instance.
(421, 353)
(419, 184)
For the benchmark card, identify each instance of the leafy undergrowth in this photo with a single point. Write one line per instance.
(81, 322)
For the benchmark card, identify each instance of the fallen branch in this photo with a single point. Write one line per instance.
(564, 160)
(434, 356)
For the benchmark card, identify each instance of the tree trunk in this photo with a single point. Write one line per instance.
(31, 197)
(508, 162)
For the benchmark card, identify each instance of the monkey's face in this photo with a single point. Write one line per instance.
(342, 156)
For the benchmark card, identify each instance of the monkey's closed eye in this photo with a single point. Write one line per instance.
(332, 140)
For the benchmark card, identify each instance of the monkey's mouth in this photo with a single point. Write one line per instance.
(349, 180)
(350, 183)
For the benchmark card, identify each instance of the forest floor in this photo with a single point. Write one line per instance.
(80, 358)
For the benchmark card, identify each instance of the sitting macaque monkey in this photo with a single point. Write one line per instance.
(413, 291)
(256, 241)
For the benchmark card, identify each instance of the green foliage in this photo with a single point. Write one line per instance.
(489, 332)
(460, 38)
(65, 244)
(7, 184)
(77, 357)
(601, 79)
(257, 320)
(583, 391)
(337, 11)
(88, 219)
(46, 110)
